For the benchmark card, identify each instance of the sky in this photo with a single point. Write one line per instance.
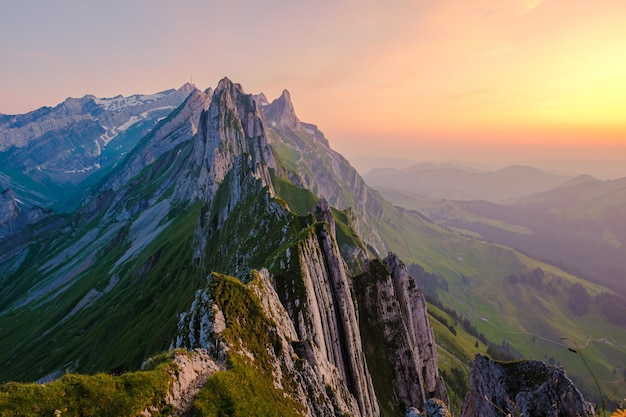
(489, 81)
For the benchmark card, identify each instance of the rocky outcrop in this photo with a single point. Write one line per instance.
(14, 218)
(432, 408)
(280, 113)
(159, 151)
(318, 299)
(414, 313)
(320, 385)
(296, 366)
(179, 127)
(189, 374)
(522, 388)
(394, 324)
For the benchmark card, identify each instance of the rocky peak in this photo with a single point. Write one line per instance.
(524, 388)
(280, 112)
(232, 129)
(187, 88)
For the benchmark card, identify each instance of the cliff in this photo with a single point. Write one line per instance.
(398, 339)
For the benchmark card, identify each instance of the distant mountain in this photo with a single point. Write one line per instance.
(578, 225)
(458, 182)
(580, 179)
(50, 154)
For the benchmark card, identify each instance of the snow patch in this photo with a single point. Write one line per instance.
(84, 169)
(120, 102)
(113, 132)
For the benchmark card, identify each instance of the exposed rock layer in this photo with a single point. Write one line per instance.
(394, 320)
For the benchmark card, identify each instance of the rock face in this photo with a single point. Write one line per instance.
(176, 129)
(169, 136)
(192, 369)
(315, 318)
(232, 133)
(280, 113)
(522, 388)
(395, 326)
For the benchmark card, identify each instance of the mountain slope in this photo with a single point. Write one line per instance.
(224, 192)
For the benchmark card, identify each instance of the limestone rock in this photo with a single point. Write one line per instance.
(433, 408)
(324, 171)
(395, 326)
(62, 147)
(14, 218)
(231, 134)
(281, 112)
(524, 388)
(192, 371)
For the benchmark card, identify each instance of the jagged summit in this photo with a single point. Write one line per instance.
(232, 129)
(281, 113)
(261, 99)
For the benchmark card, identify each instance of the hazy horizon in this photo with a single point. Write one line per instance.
(488, 81)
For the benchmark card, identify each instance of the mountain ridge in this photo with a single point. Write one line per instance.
(134, 247)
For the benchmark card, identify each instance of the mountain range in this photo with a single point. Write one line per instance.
(233, 237)
(460, 182)
(48, 155)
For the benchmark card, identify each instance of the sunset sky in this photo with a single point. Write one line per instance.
(495, 81)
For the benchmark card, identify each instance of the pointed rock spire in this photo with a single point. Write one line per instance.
(281, 112)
